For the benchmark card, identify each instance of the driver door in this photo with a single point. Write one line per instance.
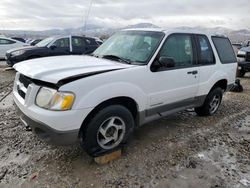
(60, 47)
(177, 86)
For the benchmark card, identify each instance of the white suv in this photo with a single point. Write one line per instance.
(135, 77)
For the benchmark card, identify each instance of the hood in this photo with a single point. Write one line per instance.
(245, 49)
(54, 69)
(26, 48)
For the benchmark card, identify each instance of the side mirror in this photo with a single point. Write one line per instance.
(167, 62)
(52, 47)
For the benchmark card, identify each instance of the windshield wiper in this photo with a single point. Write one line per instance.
(92, 55)
(114, 57)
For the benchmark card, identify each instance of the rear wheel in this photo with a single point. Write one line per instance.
(211, 104)
(109, 129)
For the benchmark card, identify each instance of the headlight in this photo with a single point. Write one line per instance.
(52, 99)
(17, 53)
(242, 53)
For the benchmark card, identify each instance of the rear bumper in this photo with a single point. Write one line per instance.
(47, 133)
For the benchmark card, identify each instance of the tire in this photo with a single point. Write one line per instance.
(209, 109)
(114, 123)
(241, 73)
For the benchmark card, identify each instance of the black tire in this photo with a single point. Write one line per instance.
(90, 134)
(241, 73)
(206, 109)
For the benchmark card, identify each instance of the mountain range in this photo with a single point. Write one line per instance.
(100, 30)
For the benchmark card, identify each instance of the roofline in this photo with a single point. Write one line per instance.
(168, 31)
(144, 29)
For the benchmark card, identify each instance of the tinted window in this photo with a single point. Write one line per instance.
(90, 41)
(205, 51)
(78, 42)
(224, 50)
(45, 42)
(62, 43)
(19, 39)
(5, 41)
(179, 48)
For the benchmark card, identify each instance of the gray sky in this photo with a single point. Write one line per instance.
(48, 14)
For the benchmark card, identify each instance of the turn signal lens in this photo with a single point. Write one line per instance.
(67, 102)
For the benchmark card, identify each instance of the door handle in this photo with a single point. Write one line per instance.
(193, 72)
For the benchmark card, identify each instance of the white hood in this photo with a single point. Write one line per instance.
(53, 69)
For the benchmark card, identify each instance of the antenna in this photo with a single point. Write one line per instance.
(87, 16)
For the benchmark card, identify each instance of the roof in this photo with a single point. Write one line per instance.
(4, 37)
(168, 31)
(146, 29)
(61, 36)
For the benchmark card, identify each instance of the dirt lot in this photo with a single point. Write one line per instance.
(182, 150)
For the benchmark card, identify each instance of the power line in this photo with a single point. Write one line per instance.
(87, 16)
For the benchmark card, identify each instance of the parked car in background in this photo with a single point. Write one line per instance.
(236, 47)
(246, 43)
(94, 41)
(135, 77)
(19, 39)
(243, 58)
(35, 41)
(7, 44)
(53, 46)
(97, 40)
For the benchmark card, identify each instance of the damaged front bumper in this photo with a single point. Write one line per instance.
(47, 133)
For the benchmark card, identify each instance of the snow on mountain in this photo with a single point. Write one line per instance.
(97, 30)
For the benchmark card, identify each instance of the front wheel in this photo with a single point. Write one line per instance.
(211, 104)
(109, 129)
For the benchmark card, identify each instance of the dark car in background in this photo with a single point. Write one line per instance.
(19, 39)
(53, 46)
(97, 40)
(246, 43)
(236, 47)
(35, 41)
(243, 58)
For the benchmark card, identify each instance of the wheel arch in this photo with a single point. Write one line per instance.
(221, 83)
(127, 102)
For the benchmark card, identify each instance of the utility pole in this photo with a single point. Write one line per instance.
(87, 16)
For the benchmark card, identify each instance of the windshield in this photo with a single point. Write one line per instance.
(45, 42)
(134, 46)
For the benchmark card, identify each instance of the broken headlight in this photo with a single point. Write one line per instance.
(52, 99)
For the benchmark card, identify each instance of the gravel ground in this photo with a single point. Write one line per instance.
(182, 150)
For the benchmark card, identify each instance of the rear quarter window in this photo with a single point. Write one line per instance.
(90, 41)
(224, 49)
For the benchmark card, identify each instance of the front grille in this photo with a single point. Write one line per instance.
(23, 84)
(25, 80)
(20, 92)
(248, 56)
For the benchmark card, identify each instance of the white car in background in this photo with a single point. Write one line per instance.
(7, 44)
